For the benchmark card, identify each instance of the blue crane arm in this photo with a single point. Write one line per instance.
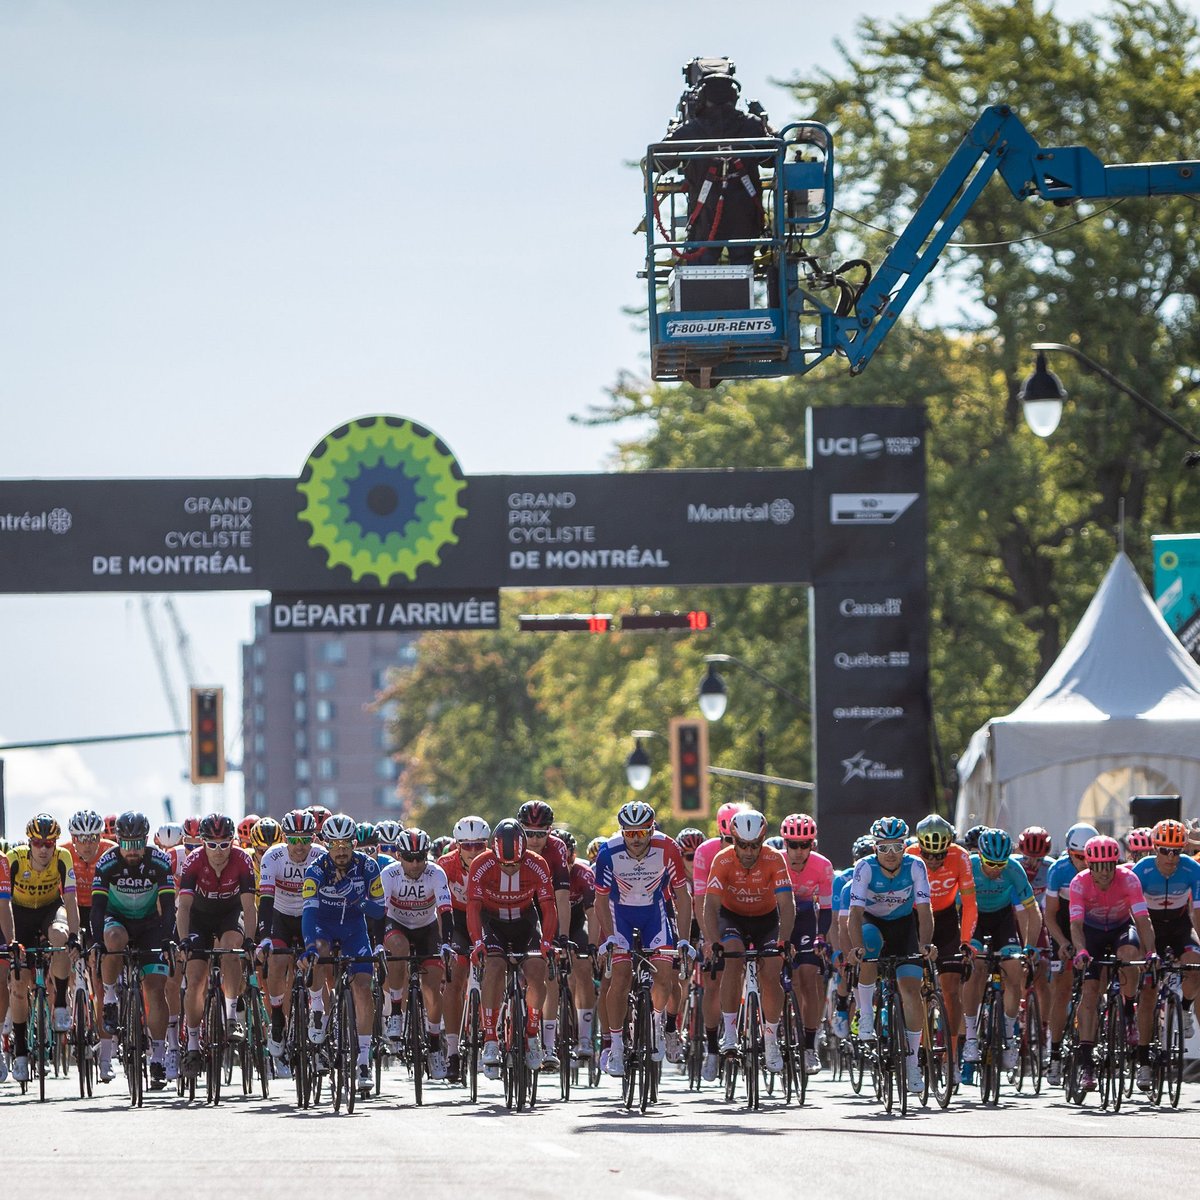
(997, 142)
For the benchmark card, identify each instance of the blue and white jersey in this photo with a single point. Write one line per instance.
(639, 882)
(888, 898)
(1168, 895)
(331, 903)
(1058, 879)
(841, 890)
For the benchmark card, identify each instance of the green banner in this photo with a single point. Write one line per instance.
(1177, 585)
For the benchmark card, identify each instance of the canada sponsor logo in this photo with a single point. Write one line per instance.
(890, 607)
(870, 662)
(868, 446)
(57, 520)
(864, 712)
(721, 326)
(859, 766)
(777, 512)
(869, 508)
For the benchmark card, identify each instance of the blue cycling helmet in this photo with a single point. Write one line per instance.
(889, 829)
(995, 845)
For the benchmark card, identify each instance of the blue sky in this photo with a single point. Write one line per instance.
(227, 228)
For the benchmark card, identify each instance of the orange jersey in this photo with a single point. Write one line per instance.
(952, 880)
(85, 871)
(752, 893)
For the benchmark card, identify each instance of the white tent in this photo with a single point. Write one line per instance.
(1117, 714)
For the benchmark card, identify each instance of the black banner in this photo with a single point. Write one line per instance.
(388, 612)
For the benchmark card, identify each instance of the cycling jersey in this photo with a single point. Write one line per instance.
(281, 881)
(337, 908)
(841, 890)
(1037, 871)
(85, 870)
(492, 892)
(138, 891)
(889, 898)
(555, 855)
(702, 864)
(32, 888)
(214, 891)
(456, 879)
(415, 903)
(1059, 876)
(1010, 890)
(5, 880)
(812, 884)
(1111, 907)
(583, 887)
(1167, 895)
(752, 892)
(639, 882)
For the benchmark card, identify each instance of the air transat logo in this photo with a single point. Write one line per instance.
(382, 498)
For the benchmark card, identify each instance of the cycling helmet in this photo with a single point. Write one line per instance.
(339, 828)
(1034, 842)
(749, 826)
(934, 834)
(441, 845)
(889, 829)
(726, 813)
(799, 825)
(167, 836)
(321, 813)
(471, 829)
(299, 823)
(863, 847)
(593, 849)
(85, 824)
(536, 814)
(971, 838)
(246, 828)
(509, 841)
(366, 834)
(1139, 841)
(1079, 835)
(110, 825)
(688, 839)
(637, 814)
(1102, 849)
(776, 843)
(413, 842)
(216, 827)
(567, 838)
(1171, 835)
(389, 831)
(191, 828)
(133, 827)
(995, 845)
(266, 833)
(43, 826)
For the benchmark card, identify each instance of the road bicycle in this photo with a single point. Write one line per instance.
(85, 1036)
(36, 961)
(750, 1054)
(341, 1036)
(1166, 1048)
(937, 1041)
(791, 1046)
(519, 1078)
(470, 1038)
(568, 1021)
(891, 1040)
(1030, 1067)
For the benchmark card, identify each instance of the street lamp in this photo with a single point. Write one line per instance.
(1042, 394)
(637, 765)
(714, 695)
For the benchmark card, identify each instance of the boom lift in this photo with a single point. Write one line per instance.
(769, 320)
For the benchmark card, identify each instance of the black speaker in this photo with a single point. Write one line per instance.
(1149, 810)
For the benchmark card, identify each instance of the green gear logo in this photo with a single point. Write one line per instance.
(382, 498)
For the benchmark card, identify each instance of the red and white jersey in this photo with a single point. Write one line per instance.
(415, 903)
(456, 877)
(283, 880)
(509, 897)
(178, 856)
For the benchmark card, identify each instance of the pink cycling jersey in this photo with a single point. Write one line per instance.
(702, 864)
(1110, 908)
(813, 883)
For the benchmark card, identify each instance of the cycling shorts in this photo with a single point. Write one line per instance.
(460, 935)
(425, 940)
(1104, 943)
(32, 925)
(353, 941)
(947, 937)
(754, 932)
(578, 933)
(896, 938)
(286, 935)
(522, 936)
(1172, 932)
(1001, 928)
(210, 927)
(144, 934)
(804, 935)
(650, 920)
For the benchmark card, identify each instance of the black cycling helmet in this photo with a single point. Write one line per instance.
(217, 827)
(133, 827)
(536, 814)
(508, 840)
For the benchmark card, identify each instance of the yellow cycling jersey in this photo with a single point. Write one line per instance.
(35, 889)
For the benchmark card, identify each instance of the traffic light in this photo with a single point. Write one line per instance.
(689, 768)
(208, 735)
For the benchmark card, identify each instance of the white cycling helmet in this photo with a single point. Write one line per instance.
(471, 829)
(168, 836)
(1079, 835)
(749, 826)
(86, 824)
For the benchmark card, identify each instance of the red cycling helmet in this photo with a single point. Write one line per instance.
(1102, 850)
(1140, 841)
(690, 839)
(725, 815)
(798, 825)
(1034, 842)
(191, 829)
(110, 825)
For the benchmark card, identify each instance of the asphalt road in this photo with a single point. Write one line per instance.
(690, 1145)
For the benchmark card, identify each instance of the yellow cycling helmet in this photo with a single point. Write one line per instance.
(266, 832)
(935, 834)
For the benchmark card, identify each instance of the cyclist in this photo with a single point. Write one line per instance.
(191, 834)
(215, 910)
(748, 903)
(593, 849)
(636, 871)
(440, 846)
(1033, 854)
(705, 853)
(1001, 886)
(416, 897)
(367, 840)
(1058, 886)
(389, 832)
(583, 939)
(86, 847)
(170, 840)
(470, 841)
(245, 829)
(952, 899)
(342, 892)
(110, 827)
(321, 814)
(688, 840)
(890, 914)
(537, 819)
(1171, 885)
(133, 903)
(1139, 844)
(507, 887)
(839, 934)
(280, 905)
(812, 888)
(42, 879)
(1103, 899)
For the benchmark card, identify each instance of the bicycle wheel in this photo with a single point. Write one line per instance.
(214, 1032)
(472, 1040)
(1031, 1043)
(1172, 1048)
(257, 1024)
(41, 1031)
(884, 1075)
(939, 1067)
(521, 1061)
(645, 1051)
(1117, 1049)
(855, 1065)
(133, 1044)
(799, 1058)
(568, 1035)
(416, 1036)
(752, 1053)
(996, 1039)
(898, 1033)
(508, 1055)
(84, 1060)
(348, 1042)
(297, 1045)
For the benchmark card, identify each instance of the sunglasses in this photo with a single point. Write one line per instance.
(889, 847)
(987, 862)
(689, 857)
(740, 845)
(43, 843)
(1171, 853)
(537, 833)
(796, 844)
(471, 845)
(133, 843)
(931, 857)
(637, 834)
(87, 839)
(410, 857)
(303, 839)
(218, 845)
(340, 844)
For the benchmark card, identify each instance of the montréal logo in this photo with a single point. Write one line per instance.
(57, 520)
